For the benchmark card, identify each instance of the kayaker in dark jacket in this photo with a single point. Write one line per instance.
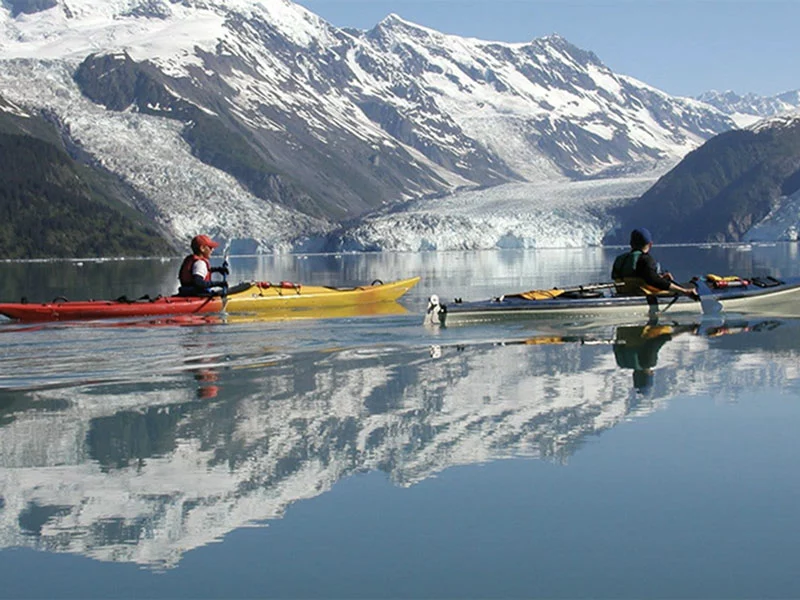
(195, 272)
(636, 272)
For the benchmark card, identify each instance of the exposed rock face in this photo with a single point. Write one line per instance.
(30, 7)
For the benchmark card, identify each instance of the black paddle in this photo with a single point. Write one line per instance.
(225, 275)
(695, 296)
(671, 302)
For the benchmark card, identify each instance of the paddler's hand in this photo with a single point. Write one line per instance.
(686, 291)
(218, 288)
(692, 293)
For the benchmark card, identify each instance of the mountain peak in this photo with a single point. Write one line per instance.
(392, 18)
(557, 43)
(394, 22)
(267, 99)
(553, 37)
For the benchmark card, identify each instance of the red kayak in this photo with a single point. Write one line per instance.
(92, 309)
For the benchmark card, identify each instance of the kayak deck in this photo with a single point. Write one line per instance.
(247, 297)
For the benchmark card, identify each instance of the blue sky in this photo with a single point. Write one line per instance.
(683, 47)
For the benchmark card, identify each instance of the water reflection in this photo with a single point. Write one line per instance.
(637, 347)
(143, 470)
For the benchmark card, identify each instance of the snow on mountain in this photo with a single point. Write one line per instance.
(787, 119)
(546, 107)
(181, 40)
(748, 108)
(166, 32)
(11, 108)
(324, 123)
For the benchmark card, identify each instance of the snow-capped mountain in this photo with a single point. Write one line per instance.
(740, 107)
(208, 106)
(742, 185)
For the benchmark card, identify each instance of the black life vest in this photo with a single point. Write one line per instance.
(625, 265)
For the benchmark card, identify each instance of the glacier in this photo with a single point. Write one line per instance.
(148, 153)
(782, 224)
(563, 214)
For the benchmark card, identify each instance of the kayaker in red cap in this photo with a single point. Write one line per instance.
(195, 272)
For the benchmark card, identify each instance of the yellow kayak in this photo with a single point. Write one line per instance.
(263, 296)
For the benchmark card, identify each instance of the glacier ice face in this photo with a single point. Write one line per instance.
(525, 215)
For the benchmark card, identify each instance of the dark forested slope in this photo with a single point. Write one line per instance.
(717, 192)
(53, 206)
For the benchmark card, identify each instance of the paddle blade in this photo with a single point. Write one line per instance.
(708, 301)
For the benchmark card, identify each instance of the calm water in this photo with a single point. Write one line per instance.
(372, 457)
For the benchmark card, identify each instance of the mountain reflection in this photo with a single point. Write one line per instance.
(143, 472)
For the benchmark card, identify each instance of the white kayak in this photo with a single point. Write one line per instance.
(756, 295)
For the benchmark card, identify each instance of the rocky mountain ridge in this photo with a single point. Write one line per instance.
(288, 125)
(732, 103)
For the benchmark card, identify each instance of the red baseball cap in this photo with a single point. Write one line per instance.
(203, 240)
